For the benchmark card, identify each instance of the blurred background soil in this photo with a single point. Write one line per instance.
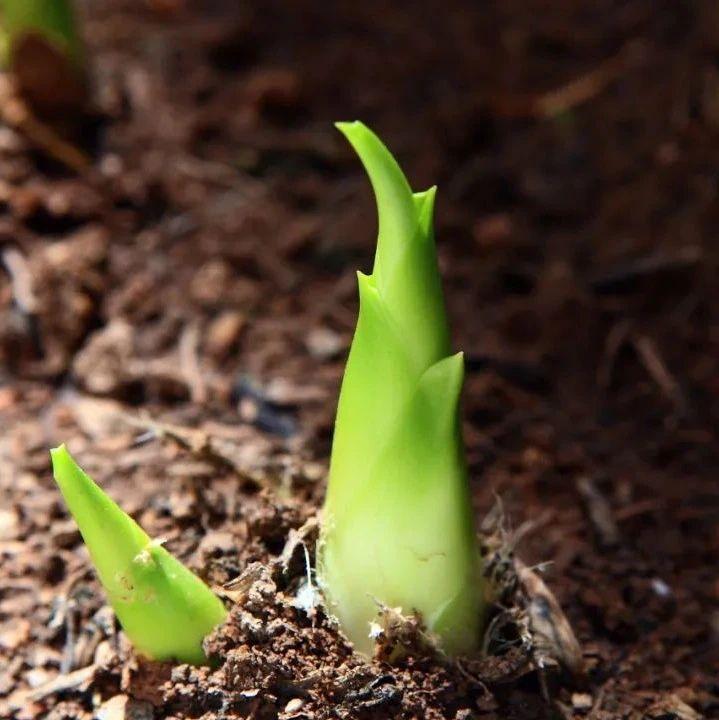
(177, 295)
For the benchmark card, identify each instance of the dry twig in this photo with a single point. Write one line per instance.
(16, 113)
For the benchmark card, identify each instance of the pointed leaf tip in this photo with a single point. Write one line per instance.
(346, 125)
(164, 608)
(424, 208)
(395, 205)
(59, 453)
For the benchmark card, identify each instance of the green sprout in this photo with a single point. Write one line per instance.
(398, 527)
(164, 609)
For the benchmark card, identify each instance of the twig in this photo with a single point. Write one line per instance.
(204, 444)
(190, 363)
(70, 681)
(598, 701)
(616, 338)
(581, 89)
(648, 354)
(296, 538)
(530, 526)
(570, 95)
(15, 112)
(599, 512)
(685, 257)
(23, 290)
(639, 508)
(658, 371)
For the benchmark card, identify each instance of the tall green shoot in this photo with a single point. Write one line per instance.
(398, 527)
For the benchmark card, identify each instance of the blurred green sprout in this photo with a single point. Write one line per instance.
(42, 47)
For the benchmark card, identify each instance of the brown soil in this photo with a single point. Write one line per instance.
(177, 298)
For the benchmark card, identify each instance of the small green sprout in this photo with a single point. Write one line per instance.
(398, 527)
(41, 45)
(164, 609)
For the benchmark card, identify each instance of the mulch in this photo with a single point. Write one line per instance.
(177, 295)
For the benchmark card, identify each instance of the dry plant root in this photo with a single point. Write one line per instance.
(397, 635)
(526, 607)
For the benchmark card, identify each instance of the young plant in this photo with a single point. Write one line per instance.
(398, 527)
(164, 609)
(43, 49)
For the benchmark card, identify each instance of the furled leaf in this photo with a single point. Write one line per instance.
(398, 526)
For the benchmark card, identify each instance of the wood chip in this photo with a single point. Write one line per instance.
(550, 628)
(294, 706)
(122, 707)
(9, 525)
(582, 701)
(77, 680)
(223, 334)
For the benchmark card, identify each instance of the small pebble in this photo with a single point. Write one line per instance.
(324, 343)
(661, 588)
(294, 705)
(9, 525)
(582, 701)
(122, 707)
(223, 333)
